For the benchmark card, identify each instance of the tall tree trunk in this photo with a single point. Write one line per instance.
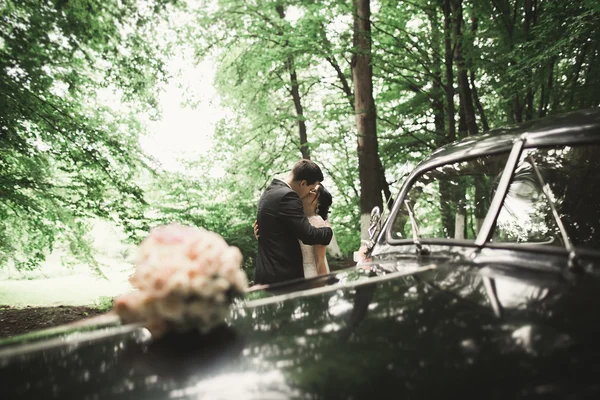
(449, 65)
(464, 88)
(460, 220)
(484, 122)
(369, 170)
(447, 196)
(439, 112)
(575, 75)
(350, 97)
(481, 204)
(591, 98)
(529, 105)
(517, 108)
(530, 8)
(295, 91)
(482, 116)
(546, 92)
(437, 94)
(330, 58)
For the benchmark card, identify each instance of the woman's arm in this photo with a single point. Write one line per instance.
(320, 253)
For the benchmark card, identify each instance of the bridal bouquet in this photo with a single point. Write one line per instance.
(186, 278)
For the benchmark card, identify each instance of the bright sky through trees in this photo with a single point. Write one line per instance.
(190, 109)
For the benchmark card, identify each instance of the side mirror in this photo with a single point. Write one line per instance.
(374, 228)
(375, 223)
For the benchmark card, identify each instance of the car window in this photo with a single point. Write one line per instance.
(450, 201)
(572, 179)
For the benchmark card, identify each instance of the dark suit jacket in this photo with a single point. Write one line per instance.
(281, 223)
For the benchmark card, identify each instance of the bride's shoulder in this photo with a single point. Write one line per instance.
(318, 221)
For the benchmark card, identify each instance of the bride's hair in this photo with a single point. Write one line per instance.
(325, 201)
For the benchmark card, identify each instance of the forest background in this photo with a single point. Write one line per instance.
(120, 115)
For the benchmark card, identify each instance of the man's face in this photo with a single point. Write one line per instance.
(305, 188)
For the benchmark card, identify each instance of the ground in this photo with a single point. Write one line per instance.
(15, 321)
(31, 305)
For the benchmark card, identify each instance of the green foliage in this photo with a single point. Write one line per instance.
(66, 155)
(104, 303)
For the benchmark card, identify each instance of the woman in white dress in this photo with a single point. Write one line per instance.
(316, 207)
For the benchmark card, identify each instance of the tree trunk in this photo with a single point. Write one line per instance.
(369, 170)
(350, 97)
(439, 112)
(330, 58)
(547, 91)
(481, 202)
(529, 105)
(464, 88)
(460, 217)
(517, 109)
(447, 208)
(449, 64)
(575, 75)
(591, 97)
(295, 91)
(437, 94)
(484, 122)
(530, 7)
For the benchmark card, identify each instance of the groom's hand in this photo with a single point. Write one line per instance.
(256, 230)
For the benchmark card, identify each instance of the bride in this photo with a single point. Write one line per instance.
(316, 207)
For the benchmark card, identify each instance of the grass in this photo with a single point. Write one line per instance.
(75, 290)
(104, 303)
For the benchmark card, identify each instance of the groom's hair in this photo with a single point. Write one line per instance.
(306, 170)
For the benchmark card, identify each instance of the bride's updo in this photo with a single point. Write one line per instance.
(325, 201)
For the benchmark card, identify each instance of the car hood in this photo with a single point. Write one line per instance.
(427, 330)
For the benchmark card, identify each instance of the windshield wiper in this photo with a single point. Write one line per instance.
(572, 262)
(415, 231)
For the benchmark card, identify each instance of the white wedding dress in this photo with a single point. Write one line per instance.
(308, 254)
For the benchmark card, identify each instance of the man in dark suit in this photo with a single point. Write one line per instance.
(282, 223)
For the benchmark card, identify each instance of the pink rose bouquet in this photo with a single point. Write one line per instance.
(186, 278)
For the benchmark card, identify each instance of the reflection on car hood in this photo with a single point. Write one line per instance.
(423, 332)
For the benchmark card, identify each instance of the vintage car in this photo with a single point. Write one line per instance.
(483, 281)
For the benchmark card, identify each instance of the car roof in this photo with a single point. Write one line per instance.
(575, 127)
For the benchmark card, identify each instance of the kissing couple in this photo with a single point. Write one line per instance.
(292, 227)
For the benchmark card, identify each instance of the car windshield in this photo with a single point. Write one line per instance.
(450, 201)
(572, 179)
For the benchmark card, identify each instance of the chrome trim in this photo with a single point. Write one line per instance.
(496, 204)
(415, 228)
(549, 196)
(375, 223)
(490, 290)
(524, 246)
(333, 288)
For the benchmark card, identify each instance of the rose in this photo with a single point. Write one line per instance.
(133, 306)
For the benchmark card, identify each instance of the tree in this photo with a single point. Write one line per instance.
(366, 117)
(66, 156)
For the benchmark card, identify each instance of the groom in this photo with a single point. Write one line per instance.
(282, 223)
